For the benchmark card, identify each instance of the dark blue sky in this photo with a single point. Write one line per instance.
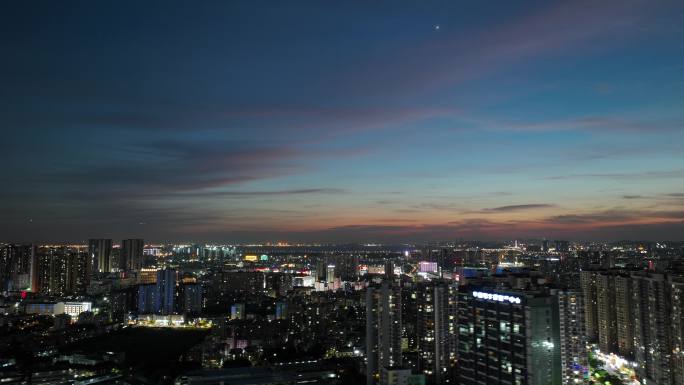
(342, 121)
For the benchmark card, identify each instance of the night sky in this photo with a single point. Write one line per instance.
(342, 121)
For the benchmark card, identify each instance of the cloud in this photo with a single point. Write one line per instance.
(244, 194)
(176, 166)
(633, 197)
(633, 176)
(592, 123)
(531, 206)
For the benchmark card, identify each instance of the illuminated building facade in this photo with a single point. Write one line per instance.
(436, 327)
(16, 262)
(330, 275)
(652, 341)
(383, 329)
(60, 271)
(607, 320)
(508, 338)
(574, 359)
(588, 284)
(676, 286)
(165, 299)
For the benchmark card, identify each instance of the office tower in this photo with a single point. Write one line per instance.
(330, 275)
(100, 251)
(605, 304)
(652, 331)
(676, 286)
(437, 329)
(383, 329)
(131, 254)
(192, 298)
(147, 294)
(508, 337)
(237, 311)
(623, 316)
(165, 299)
(545, 245)
(588, 284)
(574, 360)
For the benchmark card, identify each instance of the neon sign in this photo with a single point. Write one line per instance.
(497, 297)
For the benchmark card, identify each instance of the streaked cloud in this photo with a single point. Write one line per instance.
(530, 206)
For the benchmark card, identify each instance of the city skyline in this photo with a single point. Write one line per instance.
(343, 122)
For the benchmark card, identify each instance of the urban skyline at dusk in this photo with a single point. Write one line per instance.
(447, 192)
(343, 122)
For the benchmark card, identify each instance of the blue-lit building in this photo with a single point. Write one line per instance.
(146, 298)
(165, 299)
(281, 310)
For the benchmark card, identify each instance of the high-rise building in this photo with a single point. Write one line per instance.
(562, 246)
(676, 286)
(147, 298)
(588, 284)
(277, 284)
(192, 298)
(15, 266)
(383, 329)
(330, 275)
(389, 270)
(281, 312)
(60, 271)
(131, 254)
(165, 300)
(607, 322)
(652, 331)
(100, 251)
(623, 316)
(574, 359)
(508, 337)
(321, 270)
(237, 311)
(609, 318)
(79, 271)
(437, 329)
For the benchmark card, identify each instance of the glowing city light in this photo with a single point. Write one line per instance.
(496, 297)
